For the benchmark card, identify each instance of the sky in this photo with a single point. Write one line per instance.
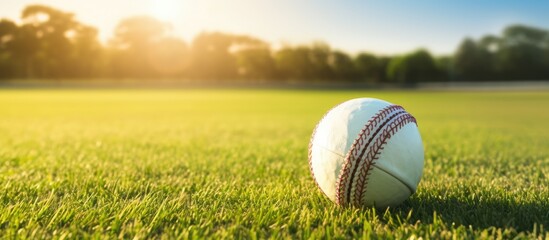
(381, 27)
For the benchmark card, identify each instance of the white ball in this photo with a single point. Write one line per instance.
(367, 152)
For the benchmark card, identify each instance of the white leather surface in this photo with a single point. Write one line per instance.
(383, 190)
(336, 133)
(402, 156)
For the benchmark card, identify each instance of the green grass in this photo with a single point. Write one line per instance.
(233, 164)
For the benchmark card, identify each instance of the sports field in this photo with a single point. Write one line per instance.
(233, 164)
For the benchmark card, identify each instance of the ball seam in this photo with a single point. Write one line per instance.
(341, 184)
(371, 143)
(375, 151)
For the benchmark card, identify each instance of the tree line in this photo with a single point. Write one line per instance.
(50, 43)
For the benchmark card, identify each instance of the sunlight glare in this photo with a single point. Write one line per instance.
(166, 10)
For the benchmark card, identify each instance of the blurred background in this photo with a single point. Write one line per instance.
(400, 43)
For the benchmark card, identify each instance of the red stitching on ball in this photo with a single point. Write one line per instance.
(374, 152)
(381, 122)
(367, 146)
(342, 184)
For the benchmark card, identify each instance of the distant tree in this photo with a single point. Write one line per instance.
(473, 62)
(294, 63)
(546, 59)
(415, 67)
(369, 68)
(49, 43)
(445, 66)
(133, 40)
(139, 32)
(51, 27)
(490, 43)
(88, 56)
(522, 53)
(520, 34)
(304, 62)
(26, 48)
(255, 62)
(319, 54)
(384, 62)
(168, 57)
(342, 66)
(221, 56)
(211, 57)
(8, 31)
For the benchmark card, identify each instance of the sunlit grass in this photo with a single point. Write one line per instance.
(233, 163)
